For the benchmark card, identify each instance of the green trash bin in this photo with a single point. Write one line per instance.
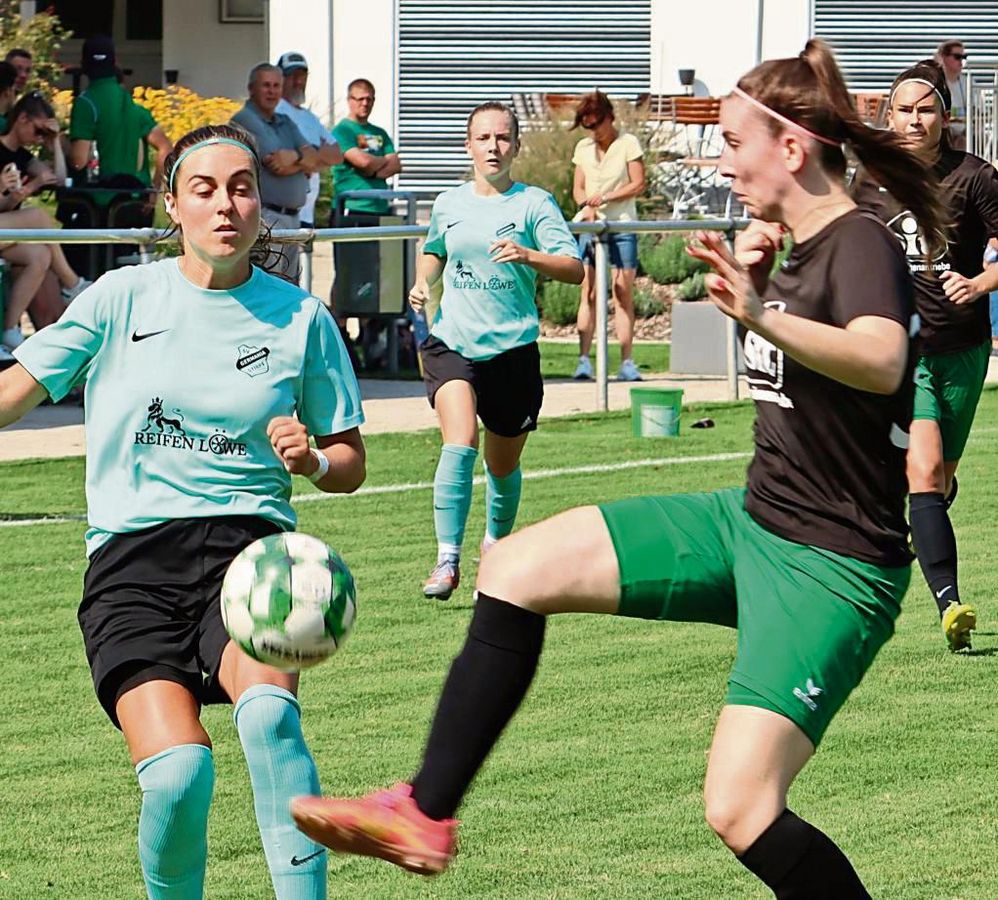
(655, 411)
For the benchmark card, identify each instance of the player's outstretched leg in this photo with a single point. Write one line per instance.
(412, 826)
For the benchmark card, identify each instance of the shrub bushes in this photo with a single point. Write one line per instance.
(692, 288)
(664, 259)
(559, 302)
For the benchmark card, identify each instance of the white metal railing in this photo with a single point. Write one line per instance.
(147, 238)
(980, 85)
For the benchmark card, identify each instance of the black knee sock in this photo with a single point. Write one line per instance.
(799, 862)
(935, 546)
(486, 684)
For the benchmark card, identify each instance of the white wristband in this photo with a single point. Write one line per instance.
(323, 463)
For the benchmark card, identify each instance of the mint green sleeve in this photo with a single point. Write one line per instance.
(435, 242)
(551, 234)
(59, 357)
(330, 396)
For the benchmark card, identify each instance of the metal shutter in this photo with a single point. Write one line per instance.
(455, 54)
(876, 39)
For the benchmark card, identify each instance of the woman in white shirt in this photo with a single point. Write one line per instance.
(609, 174)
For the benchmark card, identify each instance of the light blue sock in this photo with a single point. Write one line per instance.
(502, 500)
(268, 719)
(452, 497)
(173, 825)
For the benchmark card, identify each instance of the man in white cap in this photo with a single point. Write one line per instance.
(295, 69)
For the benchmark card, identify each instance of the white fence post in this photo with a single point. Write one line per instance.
(602, 299)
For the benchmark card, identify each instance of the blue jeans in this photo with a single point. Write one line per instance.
(623, 250)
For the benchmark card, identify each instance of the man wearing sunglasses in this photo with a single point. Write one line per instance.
(951, 55)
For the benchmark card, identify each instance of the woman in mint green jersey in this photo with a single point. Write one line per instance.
(488, 240)
(205, 378)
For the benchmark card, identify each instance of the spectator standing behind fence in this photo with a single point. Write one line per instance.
(951, 55)
(21, 60)
(294, 67)
(288, 158)
(369, 157)
(609, 174)
(105, 116)
(32, 121)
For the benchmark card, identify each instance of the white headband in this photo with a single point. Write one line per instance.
(928, 84)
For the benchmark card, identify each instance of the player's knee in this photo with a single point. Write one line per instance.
(925, 474)
(266, 714)
(734, 816)
(505, 573)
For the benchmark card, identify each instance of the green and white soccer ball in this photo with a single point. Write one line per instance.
(288, 600)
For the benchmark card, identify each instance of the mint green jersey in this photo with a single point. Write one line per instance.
(487, 307)
(181, 383)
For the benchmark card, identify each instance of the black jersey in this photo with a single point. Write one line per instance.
(21, 158)
(829, 462)
(970, 188)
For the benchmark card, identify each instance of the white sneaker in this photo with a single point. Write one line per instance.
(69, 294)
(12, 338)
(584, 370)
(628, 371)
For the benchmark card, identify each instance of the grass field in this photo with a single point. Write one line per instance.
(595, 789)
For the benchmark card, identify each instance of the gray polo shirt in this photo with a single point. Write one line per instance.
(279, 133)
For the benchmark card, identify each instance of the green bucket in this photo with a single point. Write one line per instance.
(655, 411)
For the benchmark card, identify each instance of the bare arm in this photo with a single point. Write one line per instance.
(429, 268)
(869, 354)
(79, 153)
(579, 186)
(19, 394)
(635, 186)
(363, 162)
(347, 462)
(344, 452)
(560, 268)
(163, 147)
(329, 155)
(390, 165)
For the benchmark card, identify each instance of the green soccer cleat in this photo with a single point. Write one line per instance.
(959, 619)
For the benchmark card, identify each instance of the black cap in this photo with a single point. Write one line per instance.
(98, 56)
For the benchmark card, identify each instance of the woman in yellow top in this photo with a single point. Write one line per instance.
(609, 174)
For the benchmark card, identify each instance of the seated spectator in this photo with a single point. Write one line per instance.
(8, 77)
(32, 121)
(21, 60)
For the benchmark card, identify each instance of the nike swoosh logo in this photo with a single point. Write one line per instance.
(450, 225)
(295, 861)
(939, 594)
(136, 337)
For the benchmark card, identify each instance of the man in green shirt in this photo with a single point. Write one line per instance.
(105, 114)
(369, 157)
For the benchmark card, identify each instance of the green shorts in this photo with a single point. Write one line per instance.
(947, 390)
(809, 621)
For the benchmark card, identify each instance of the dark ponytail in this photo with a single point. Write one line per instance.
(810, 90)
(262, 254)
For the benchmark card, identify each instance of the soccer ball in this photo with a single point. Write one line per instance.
(288, 600)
